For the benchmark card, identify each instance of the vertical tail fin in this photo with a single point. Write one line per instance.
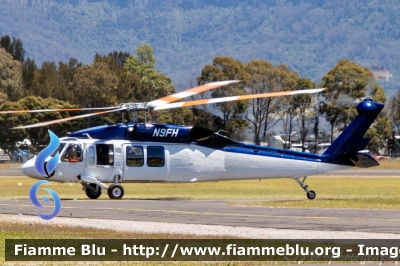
(346, 146)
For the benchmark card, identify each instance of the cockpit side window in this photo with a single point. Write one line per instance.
(73, 153)
(60, 148)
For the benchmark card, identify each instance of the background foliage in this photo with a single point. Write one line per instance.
(272, 46)
(309, 36)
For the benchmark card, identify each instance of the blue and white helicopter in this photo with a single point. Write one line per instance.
(143, 152)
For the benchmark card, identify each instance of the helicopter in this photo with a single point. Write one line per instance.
(145, 153)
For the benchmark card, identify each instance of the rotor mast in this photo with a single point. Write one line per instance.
(136, 107)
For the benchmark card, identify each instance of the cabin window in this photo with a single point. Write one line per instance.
(91, 155)
(134, 156)
(155, 156)
(105, 154)
(73, 153)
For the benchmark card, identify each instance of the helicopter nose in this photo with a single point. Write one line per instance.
(28, 169)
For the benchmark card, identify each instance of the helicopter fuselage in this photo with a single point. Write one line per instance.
(136, 161)
(168, 153)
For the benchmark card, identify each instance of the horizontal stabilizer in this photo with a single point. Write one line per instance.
(363, 160)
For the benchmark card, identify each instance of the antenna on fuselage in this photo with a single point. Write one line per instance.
(221, 130)
(87, 135)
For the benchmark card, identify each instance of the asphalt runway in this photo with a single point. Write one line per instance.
(346, 173)
(10, 172)
(218, 212)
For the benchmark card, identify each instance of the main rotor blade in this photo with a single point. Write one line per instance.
(183, 94)
(235, 98)
(58, 110)
(68, 119)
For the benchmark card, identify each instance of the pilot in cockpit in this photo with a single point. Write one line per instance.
(73, 154)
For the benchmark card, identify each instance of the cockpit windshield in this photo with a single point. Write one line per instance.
(73, 153)
(60, 148)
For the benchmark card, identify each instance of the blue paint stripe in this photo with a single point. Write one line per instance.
(276, 153)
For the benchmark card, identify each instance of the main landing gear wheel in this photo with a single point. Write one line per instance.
(93, 191)
(310, 193)
(115, 191)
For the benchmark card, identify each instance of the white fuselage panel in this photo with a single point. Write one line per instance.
(181, 163)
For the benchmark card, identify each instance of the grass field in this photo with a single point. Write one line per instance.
(12, 230)
(371, 193)
(6, 165)
(24, 230)
(374, 193)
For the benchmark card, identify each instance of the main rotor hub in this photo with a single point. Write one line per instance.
(132, 107)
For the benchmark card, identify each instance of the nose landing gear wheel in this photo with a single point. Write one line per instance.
(115, 191)
(311, 195)
(93, 191)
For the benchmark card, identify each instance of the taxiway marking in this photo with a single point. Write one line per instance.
(218, 213)
(246, 215)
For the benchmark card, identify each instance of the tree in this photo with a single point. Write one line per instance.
(15, 48)
(144, 59)
(335, 115)
(305, 117)
(94, 86)
(8, 136)
(140, 81)
(316, 129)
(288, 114)
(18, 51)
(380, 131)
(68, 70)
(119, 57)
(344, 83)
(145, 55)
(5, 42)
(3, 98)
(115, 61)
(28, 72)
(127, 81)
(66, 73)
(298, 108)
(394, 112)
(227, 68)
(264, 77)
(48, 83)
(11, 82)
(39, 135)
(153, 84)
